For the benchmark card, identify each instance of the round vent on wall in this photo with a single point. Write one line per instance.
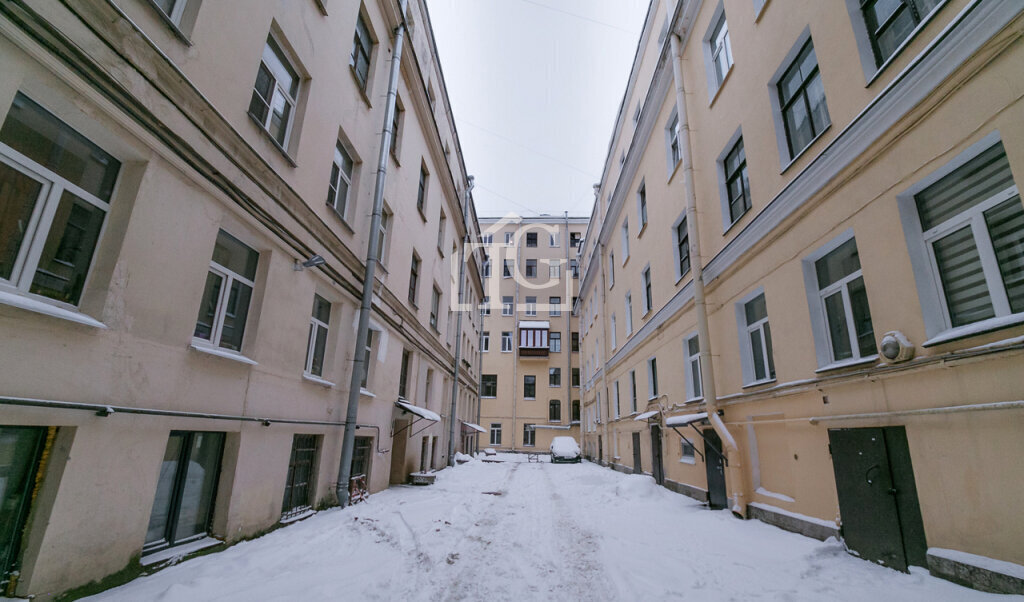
(896, 347)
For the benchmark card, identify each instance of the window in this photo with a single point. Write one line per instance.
(611, 270)
(576, 410)
(890, 22)
(652, 378)
(508, 238)
(382, 234)
(531, 239)
(966, 236)
(487, 239)
(672, 144)
(553, 239)
(625, 241)
(506, 341)
(554, 269)
(720, 50)
(554, 342)
(225, 303)
(648, 297)
(441, 222)
(575, 342)
(275, 92)
(495, 433)
(691, 358)
(576, 377)
(298, 488)
(435, 305)
(612, 331)
(842, 304)
(554, 377)
(802, 100)
(506, 270)
(737, 186)
(756, 341)
(506, 306)
(403, 375)
(531, 306)
(421, 192)
(629, 313)
(489, 385)
(529, 435)
(554, 411)
(632, 391)
(529, 386)
(618, 411)
(575, 240)
(574, 266)
(317, 345)
(367, 357)
(531, 268)
(641, 206)
(359, 60)
(487, 266)
(396, 124)
(341, 181)
(682, 240)
(485, 307)
(414, 278)
(485, 342)
(172, 8)
(185, 489)
(686, 452)
(554, 306)
(55, 193)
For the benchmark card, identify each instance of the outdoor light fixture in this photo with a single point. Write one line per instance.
(312, 262)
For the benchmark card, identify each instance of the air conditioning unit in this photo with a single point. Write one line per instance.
(896, 347)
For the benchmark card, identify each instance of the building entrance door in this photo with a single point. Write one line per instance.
(638, 465)
(877, 495)
(656, 464)
(715, 467)
(20, 450)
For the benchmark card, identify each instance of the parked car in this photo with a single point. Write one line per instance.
(565, 449)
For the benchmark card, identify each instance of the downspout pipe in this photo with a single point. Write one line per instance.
(370, 274)
(567, 337)
(734, 476)
(458, 323)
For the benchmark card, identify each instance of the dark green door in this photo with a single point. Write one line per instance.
(657, 468)
(638, 467)
(20, 450)
(714, 467)
(877, 495)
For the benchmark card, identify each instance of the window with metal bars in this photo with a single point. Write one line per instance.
(298, 488)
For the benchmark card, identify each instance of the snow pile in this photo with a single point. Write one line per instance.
(462, 458)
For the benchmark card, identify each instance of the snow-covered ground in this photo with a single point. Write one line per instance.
(533, 531)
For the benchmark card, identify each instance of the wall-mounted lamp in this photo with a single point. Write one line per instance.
(312, 262)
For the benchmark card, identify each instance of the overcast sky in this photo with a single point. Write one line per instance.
(535, 86)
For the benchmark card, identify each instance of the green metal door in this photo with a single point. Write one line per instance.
(20, 451)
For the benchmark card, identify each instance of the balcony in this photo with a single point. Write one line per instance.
(533, 338)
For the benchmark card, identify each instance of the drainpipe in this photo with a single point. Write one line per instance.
(568, 326)
(515, 324)
(369, 276)
(734, 476)
(599, 251)
(458, 323)
(480, 365)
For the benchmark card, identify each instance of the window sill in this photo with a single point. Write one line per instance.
(871, 359)
(273, 142)
(317, 380)
(171, 24)
(687, 461)
(488, 397)
(718, 90)
(804, 150)
(675, 169)
(423, 216)
(899, 49)
(730, 225)
(224, 353)
(977, 328)
(344, 222)
(365, 393)
(529, 399)
(641, 231)
(758, 383)
(359, 86)
(41, 307)
(178, 551)
(625, 261)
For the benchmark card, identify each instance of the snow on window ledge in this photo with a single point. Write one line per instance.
(969, 330)
(224, 353)
(365, 393)
(47, 309)
(687, 461)
(177, 552)
(871, 359)
(317, 380)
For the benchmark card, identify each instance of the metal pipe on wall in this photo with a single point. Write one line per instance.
(369, 277)
(458, 323)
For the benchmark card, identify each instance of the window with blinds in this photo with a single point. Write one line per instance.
(972, 222)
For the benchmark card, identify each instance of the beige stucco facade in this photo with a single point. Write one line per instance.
(948, 94)
(535, 290)
(116, 375)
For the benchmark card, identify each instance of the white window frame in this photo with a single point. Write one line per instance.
(341, 153)
(487, 239)
(632, 391)
(508, 268)
(641, 208)
(506, 337)
(625, 241)
(442, 221)
(507, 307)
(816, 304)
(435, 307)
(554, 269)
(383, 238)
(612, 334)
(611, 270)
(534, 377)
(629, 313)
(652, 378)
(746, 350)
(278, 93)
(554, 307)
(683, 456)
(551, 342)
(672, 135)
(694, 387)
(531, 306)
(485, 341)
(714, 48)
(176, 12)
(553, 239)
(495, 438)
(509, 239)
(315, 325)
(938, 325)
(675, 248)
(648, 289)
(552, 372)
(228, 277)
(617, 408)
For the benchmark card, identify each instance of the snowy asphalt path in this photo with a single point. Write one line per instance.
(528, 531)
